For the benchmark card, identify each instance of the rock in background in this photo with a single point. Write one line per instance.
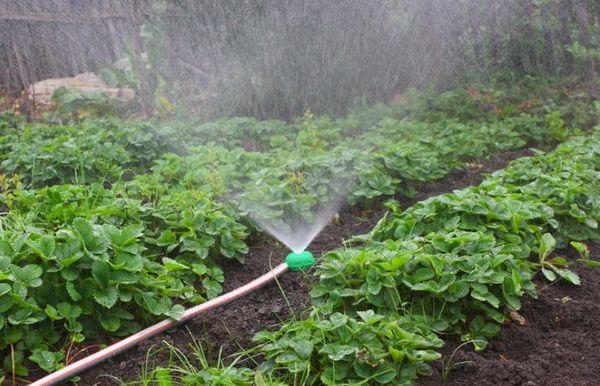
(41, 92)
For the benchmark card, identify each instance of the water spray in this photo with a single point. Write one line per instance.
(295, 261)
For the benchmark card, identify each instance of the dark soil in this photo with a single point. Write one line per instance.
(556, 345)
(232, 326)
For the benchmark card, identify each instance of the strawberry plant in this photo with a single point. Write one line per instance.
(77, 279)
(449, 277)
(337, 349)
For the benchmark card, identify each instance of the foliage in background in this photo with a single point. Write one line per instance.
(280, 58)
(273, 58)
(270, 168)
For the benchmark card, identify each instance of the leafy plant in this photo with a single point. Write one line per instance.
(120, 266)
(337, 349)
(93, 151)
(8, 186)
(552, 268)
(449, 277)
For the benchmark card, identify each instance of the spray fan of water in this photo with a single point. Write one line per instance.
(297, 232)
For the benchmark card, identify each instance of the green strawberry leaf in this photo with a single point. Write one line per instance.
(106, 297)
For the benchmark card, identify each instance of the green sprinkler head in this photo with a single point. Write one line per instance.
(300, 261)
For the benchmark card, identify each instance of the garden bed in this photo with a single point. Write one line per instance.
(234, 325)
(154, 232)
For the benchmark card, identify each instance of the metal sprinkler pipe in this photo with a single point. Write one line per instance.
(297, 263)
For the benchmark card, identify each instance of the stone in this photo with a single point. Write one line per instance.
(41, 92)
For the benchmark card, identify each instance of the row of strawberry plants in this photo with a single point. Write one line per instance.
(539, 98)
(108, 149)
(392, 157)
(457, 263)
(92, 150)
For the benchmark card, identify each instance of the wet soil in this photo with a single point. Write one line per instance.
(556, 344)
(226, 330)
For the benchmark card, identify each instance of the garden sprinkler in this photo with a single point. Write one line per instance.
(300, 261)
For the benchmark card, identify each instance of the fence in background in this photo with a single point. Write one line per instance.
(40, 39)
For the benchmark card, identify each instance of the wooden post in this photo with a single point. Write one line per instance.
(581, 16)
(565, 17)
(548, 38)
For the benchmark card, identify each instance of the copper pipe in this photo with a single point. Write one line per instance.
(125, 344)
